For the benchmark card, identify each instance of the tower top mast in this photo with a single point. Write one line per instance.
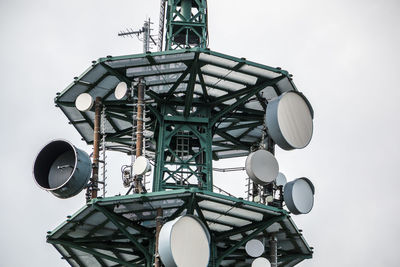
(186, 24)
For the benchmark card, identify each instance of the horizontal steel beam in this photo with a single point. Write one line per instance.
(89, 251)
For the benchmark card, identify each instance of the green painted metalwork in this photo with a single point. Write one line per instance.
(118, 223)
(89, 251)
(184, 154)
(186, 23)
(202, 106)
(133, 235)
(195, 85)
(247, 238)
(213, 101)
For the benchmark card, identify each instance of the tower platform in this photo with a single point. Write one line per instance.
(120, 230)
(191, 86)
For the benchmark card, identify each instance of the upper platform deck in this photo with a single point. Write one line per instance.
(235, 91)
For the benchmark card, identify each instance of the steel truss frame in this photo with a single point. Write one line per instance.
(221, 125)
(216, 101)
(186, 23)
(126, 236)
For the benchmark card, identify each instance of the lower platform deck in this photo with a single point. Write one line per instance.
(120, 230)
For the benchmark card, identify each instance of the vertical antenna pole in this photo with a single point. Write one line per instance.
(273, 244)
(161, 25)
(146, 36)
(96, 144)
(157, 262)
(103, 148)
(134, 125)
(139, 129)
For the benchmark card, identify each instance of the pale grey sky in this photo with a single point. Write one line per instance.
(343, 55)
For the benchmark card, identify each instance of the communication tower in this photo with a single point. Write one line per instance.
(174, 112)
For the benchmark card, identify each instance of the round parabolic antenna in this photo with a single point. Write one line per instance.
(262, 167)
(121, 90)
(62, 169)
(289, 119)
(184, 241)
(84, 102)
(254, 248)
(299, 196)
(141, 165)
(261, 262)
(280, 179)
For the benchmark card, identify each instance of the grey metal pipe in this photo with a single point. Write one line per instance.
(159, 221)
(273, 244)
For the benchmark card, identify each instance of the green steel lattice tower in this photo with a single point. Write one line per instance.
(202, 106)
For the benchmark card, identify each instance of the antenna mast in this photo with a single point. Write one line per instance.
(145, 31)
(161, 25)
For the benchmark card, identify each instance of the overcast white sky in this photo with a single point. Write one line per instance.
(344, 56)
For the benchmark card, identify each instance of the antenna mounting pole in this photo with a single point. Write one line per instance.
(96, 145)
(139, 130)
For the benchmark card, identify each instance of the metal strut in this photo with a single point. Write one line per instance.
(273, 244)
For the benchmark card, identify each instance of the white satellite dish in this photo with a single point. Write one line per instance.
(84, 102)
(269, 199)
(289, 119)
(141, 165)
(299, 196)
(262, 167)
(261, 262)
(184, 241)
(254, 248)
(121, 90)
(280, 180)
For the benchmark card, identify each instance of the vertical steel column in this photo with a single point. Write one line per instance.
(158, 170)
(186, 9)
(273, 244)
(214, 252)
(208, 155)
(96, 144)
(157, 262)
